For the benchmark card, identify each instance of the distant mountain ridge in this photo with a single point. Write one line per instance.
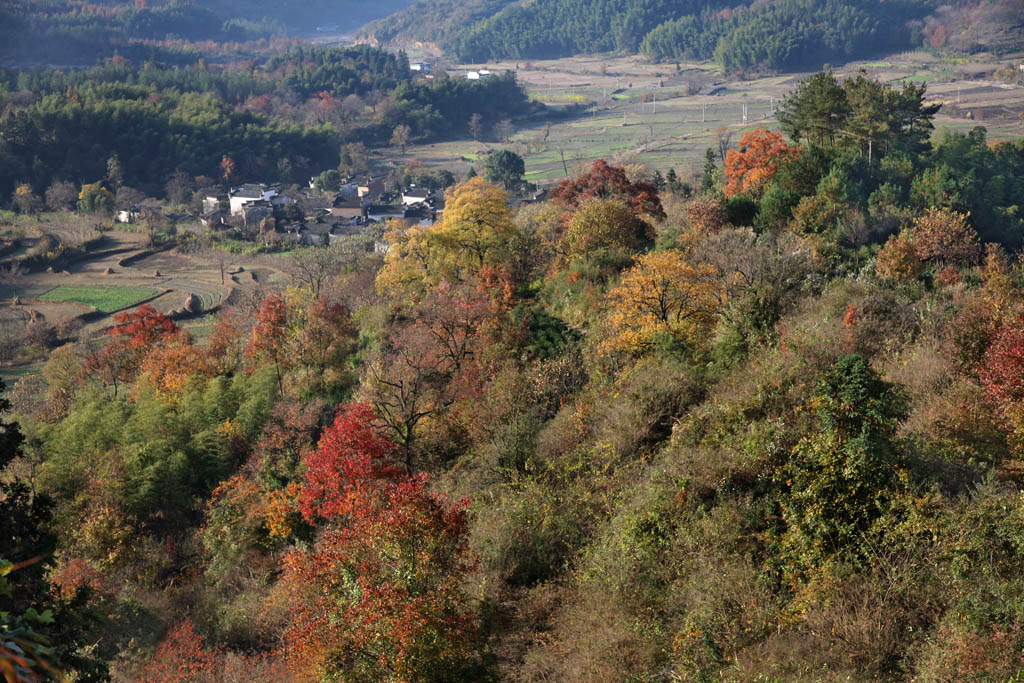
(78, 32)
(437, 22)
(344, 15)
(759, 36)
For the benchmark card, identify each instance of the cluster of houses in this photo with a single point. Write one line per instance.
(307, 217)
(426, 70)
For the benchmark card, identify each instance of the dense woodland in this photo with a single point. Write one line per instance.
(78, 32)
(762, 36)
(281, 121)
(766, 428)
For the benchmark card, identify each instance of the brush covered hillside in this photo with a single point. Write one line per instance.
(78, 32)
(769, 428)
(784, 35)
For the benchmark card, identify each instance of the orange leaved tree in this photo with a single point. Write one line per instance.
(750, 167)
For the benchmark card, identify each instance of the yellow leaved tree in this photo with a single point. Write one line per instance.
(606, 223)
(663, 298)
(474, 233)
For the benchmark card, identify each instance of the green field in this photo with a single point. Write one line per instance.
(104, 298)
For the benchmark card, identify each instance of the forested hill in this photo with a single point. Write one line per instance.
(279, 121)
(305, 15)
(770, 428)
(440, 22)
(776, 35)
(81, 31)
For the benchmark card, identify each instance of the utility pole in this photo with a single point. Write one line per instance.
(744, 112)
(703, 111)
(654, 109)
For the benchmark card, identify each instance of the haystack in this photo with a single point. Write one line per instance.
(193, 304)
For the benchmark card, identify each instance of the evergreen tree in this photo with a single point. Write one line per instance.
(710, 177)
(816, 111)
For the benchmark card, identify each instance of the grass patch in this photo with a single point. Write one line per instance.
(105, 298)
(11, 374)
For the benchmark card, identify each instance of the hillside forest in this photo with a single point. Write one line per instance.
(80, 32)
(783, 35)
(765, 426)
(281, 120)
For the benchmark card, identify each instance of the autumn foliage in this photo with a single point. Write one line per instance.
(609, 182)
(270, 332)
(663, 298)
(353, 456)
(134, 335)
(945, 237)
(170, 367)
(1002, 374)
(379, 596)
(473, 236)
(607, 224)
(143, 328)
(898, 259)
(751, 166)
(183, 657)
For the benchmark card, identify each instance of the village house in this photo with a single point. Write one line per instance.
(320, 232)
(384, 212)
(214, 220)
(129, 215)
(420, 213)
(254, 211)
(415, 196)
(247, 194)
(215, 201)
(343, 207)
(371, 187)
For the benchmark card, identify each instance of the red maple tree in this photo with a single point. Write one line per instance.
(1002, 373)
(353, 456)
(609, 182)
(380, 598)
(269, 335)
(144, 327)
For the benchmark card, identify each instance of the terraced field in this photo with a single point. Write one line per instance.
(211, 295)
(621, 107)
(105, 298)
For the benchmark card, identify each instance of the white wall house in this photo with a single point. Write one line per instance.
(242, 195)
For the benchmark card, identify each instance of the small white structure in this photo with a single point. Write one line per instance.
(422, 67)
(479, 75)
(415, 196)
(245, 194)
(212, 202)
(129, 215)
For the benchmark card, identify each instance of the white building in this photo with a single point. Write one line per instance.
(244, 194)
(415, 196)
